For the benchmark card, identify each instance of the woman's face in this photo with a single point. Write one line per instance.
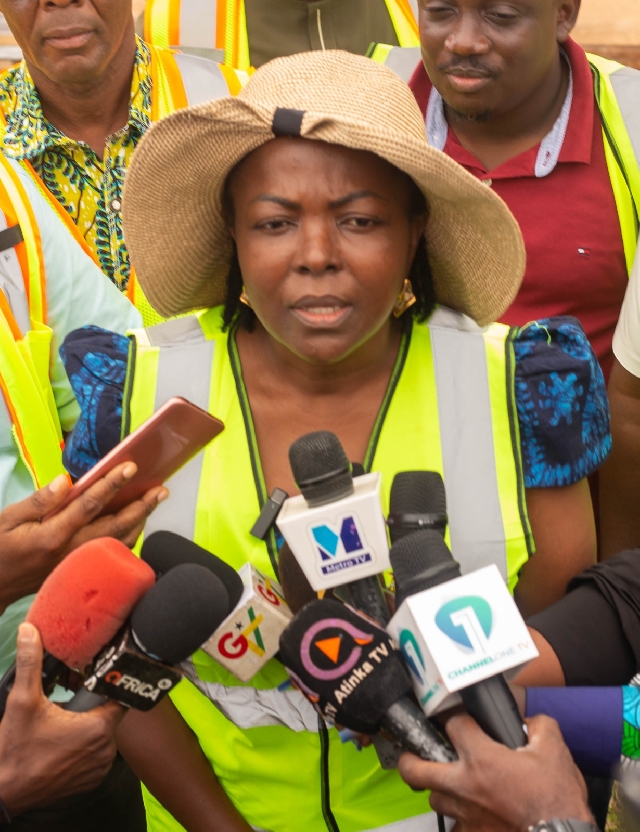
(325, 240)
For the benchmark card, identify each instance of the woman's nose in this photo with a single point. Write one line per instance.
(319, 249)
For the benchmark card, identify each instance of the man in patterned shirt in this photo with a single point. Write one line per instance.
(80, 101)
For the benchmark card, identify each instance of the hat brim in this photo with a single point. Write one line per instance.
(181, 247)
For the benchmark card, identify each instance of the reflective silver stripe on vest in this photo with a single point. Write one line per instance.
(468, 455)
(202, 79)
(12, 284)
(184, 369)
(403, 60)
(626, 85)
(418, 823)
(198, 23)
(249, 707)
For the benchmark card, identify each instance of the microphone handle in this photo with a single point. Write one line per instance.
(368, 597)
(407, 723)
(493, 707)
(84, 701)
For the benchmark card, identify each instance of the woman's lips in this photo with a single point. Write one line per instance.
(324, 315)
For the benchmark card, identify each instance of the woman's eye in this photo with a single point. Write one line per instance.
(274, 225)
(359, 222)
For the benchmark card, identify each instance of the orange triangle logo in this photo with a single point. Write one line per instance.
(330, 647)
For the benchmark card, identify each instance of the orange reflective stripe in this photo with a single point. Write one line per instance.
(162, 22)
(232, 78)
(405, 9)
(168, 92)
(5, 310)
(221, 24)
(16, 206)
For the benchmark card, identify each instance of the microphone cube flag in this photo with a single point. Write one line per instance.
(249, 637)
(458, 633)
(338, 542)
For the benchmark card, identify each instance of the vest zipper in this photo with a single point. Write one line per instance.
(398, 367)
(514, 430)
(325, 786)
(252, 442)
(613, 144)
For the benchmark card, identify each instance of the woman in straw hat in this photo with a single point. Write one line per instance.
(349, 277)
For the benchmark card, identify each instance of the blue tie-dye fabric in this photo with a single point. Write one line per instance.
(560, 397)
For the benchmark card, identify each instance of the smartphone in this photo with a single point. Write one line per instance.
(175, 433)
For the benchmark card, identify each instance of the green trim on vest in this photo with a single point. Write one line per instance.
(291, 778)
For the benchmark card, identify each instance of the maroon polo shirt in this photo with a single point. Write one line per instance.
(569, 221)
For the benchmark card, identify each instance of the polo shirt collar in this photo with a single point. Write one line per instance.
(28, 133)
(573, 136)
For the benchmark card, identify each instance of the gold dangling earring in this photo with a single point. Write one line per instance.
(405, 299)
(244, 298)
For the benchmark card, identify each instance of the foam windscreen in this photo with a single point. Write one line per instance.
(344, 664)
(420, 561)
(320, 467)
(180, 613)
(163, 550)
(87, 598)
(417, 492)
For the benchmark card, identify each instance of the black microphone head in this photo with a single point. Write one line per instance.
(418, 501)
(344, 664)
(321, 468)
(179, 613)
(421, 560)
(163, 550)
(357, 469)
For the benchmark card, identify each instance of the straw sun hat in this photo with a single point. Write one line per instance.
(172, 205)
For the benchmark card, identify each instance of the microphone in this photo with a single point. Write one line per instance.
(163, 550)
(446, 628)
(136, 668)
(248, 637)
(335, 528)
(349, 670)
(417, 501)
(81, 605)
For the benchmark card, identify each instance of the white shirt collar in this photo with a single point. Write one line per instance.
(550, 146)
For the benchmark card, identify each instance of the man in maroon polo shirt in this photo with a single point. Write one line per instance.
(507, 94)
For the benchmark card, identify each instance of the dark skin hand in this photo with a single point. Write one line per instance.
(30, 547)
(80, 54)
(494, 789)
(620, 474)
(47, 753)
(497, 65)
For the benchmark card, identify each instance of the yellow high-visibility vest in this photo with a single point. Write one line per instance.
(222, 25)
(279, 764)
(178, 81)
(25, 353)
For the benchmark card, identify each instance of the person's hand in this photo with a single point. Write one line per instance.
(47, 753)
(494, 788)
(31, 547)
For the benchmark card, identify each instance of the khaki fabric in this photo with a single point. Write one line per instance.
(285, 27)
(172, 205)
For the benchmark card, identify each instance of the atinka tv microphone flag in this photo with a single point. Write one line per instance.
(458, 634)
(258, 613)
(137, 667)
(81, 605)
(348, 668)
(335, 528)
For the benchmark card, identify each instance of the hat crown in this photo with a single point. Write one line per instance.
(337, 84)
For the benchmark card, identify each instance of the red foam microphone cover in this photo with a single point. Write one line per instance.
(87, 598)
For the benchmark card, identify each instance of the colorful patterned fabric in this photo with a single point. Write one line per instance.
(87, 185)
(559, 388)
(631, 725)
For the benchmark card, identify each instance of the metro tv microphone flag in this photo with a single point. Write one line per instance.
(458, 634)
(81, 605)
(335, 529)
(348, 668)
(136, 668)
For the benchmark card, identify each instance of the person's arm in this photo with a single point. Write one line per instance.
(492, 788)
(565, 538)
(620, 475)
(47, 753)
(31, 547)
(165, 755)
